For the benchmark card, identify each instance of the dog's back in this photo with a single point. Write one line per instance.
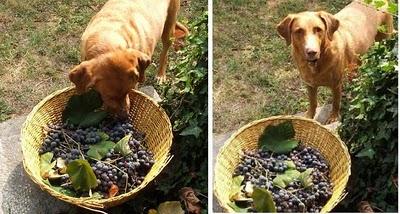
(124, 24)
(359, 25)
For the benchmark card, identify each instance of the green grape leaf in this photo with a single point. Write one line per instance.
(104, 136)
(81, 175)
(60, 189)
(81, 109)
(97, 195)
(93, 118)
(305, 178)
(236, 186)
(290, 164)
(122, 146)
(46, 166)
(282, 180)
(98, 151)
(263, 201)
(278, 138)
(170, 207)
(238, 209)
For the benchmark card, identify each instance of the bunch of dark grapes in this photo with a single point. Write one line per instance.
(255, 166)
(71, 142)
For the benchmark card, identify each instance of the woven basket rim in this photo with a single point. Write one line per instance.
(278, 117)
(85, 202)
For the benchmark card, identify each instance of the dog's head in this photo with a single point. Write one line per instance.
(308, 32)
(113, 75)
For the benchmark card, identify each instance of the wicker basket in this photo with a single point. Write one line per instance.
(146, 115)
(308, 131)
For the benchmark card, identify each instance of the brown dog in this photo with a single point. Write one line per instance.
(118, 44)
(324, 46)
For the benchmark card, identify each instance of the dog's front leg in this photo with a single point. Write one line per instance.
(312, 97)
(337, 93)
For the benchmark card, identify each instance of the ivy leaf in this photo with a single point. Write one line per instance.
(104, 136)
(305, 178)
(282, 180)
(263, 201)
(392, 8)
(81, 175)
(236, 186)
(98, 151)
(191, 130)
(236, 208)
(46, 166)
(81, 109)
(93, 118)
(278, 138)
(122, 146)
(59, 189)
(366, 152)
(379, 3)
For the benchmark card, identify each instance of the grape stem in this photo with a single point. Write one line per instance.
(79, 147)
(126, 180)
(294, 196)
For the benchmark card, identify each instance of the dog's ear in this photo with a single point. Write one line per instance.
(331, 23)
(284, 28)
(82, 77)
(143, 62)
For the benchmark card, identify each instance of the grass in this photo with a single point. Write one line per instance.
(40, 44)
(254, 75)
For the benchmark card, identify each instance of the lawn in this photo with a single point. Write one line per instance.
(254, 75)
(40, 44)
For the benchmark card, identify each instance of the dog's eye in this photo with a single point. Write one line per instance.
(299, 31)
(317, 30)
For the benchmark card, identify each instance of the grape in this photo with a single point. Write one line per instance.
(126, 172)
(294, 197)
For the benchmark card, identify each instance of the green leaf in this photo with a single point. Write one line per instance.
(46, 166)
(81, 175)
(392, 8)
(170, 207)
(191, 130)
(290, 164)
(104, 136)
(97, 195)
(236, 208)
(263, 201)
(122, 146)
(305, 178)
(93, 118)
(278, 138)
(282, 180)
(366, 152)
(379, 3)
(79, 106)
(236, 186)
(98, 151)
(60, 189)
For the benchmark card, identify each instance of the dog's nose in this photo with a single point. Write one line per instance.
(311, 53)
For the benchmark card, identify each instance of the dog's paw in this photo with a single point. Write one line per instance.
(332, 118)
(161, 79)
